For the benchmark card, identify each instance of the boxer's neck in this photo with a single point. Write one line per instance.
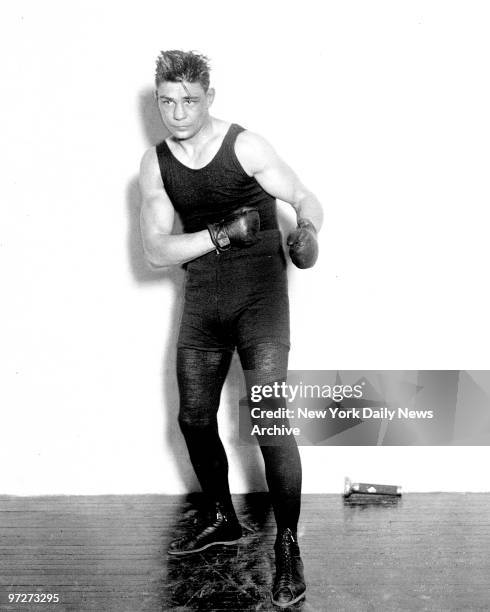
(198, 151)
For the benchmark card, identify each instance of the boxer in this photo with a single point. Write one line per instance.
(223, 182)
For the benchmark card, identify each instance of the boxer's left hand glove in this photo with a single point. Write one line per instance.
(303, 245)
(240, 228)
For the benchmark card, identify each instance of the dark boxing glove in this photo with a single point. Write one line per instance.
(303, 245)
(240, 228)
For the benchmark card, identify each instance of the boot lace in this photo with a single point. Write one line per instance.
(285, 564)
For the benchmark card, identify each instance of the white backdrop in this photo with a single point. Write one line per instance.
(381, 108)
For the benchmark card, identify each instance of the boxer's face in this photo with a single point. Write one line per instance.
(184, 107)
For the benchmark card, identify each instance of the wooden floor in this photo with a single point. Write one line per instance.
(105, 553)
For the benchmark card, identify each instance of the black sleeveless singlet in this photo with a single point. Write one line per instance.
(208, 194)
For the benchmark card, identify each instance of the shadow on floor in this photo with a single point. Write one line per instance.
(236, 577)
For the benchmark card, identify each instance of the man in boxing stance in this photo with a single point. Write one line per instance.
(223, 182)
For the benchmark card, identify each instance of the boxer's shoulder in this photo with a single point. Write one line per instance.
(247, 139)
(253, 151)
(149, 161)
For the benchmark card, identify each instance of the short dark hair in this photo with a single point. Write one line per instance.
(178, 66)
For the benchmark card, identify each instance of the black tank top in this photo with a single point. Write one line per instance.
(208, 194)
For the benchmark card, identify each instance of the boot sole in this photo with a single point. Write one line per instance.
(181, 553)
(289, 603)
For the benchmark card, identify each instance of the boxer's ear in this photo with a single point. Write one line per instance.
(210, 95)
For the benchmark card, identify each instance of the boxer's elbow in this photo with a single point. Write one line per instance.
(155, 265)
(157, 253)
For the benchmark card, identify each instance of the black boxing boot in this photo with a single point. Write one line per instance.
(289, 584)
(222, 527)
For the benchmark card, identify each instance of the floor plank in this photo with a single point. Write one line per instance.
(107, 553)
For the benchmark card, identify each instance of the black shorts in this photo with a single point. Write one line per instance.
(237, 298)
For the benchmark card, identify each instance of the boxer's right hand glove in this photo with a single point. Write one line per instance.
(240, 228)
(303, 245)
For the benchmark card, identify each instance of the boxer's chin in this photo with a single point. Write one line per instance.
(182, 133)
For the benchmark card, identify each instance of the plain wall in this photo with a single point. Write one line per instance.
(380, 107)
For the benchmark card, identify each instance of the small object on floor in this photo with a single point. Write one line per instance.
(365, 488)
(289, 583)
(222, 528)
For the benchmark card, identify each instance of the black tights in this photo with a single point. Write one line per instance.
(201, 375)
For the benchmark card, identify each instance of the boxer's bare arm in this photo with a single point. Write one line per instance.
(260, 160)
(157, 218)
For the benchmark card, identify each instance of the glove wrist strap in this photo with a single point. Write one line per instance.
(219, 237)
(307, 224)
